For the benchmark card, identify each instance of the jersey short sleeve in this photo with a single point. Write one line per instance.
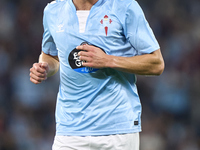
(138, 31)
(48, 45)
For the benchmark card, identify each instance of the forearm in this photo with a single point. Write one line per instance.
(53, 63)
(148, 64)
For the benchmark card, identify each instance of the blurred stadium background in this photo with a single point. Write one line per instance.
(171, 102)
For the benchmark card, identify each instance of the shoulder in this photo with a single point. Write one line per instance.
(124, 6)
(123, 3)
(121, 8)
(53, 6)
(127, 7)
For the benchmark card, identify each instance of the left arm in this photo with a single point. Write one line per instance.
(138, 32)
(147, 64)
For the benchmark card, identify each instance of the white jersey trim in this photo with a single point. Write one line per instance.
(82, 18)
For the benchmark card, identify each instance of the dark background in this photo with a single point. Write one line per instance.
(171, 102)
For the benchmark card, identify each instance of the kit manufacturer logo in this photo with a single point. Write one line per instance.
(60, 28)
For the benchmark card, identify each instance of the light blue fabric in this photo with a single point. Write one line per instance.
(104, 101)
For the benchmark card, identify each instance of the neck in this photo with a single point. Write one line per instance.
(84, 4)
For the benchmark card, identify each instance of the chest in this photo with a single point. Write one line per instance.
(99, 28)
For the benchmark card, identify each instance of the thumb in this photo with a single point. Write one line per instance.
(45, 65)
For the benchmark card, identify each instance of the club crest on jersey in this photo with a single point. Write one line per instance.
(106, 22)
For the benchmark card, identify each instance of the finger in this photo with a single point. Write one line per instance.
(37, 78)
(44, 65)
(83, 53)
(88, 64)
(38, 68)
(85, 58)
(34, 81)
(85, 47)
(86, 54)
(42, 75)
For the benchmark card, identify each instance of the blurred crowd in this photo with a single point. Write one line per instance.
(171, 102)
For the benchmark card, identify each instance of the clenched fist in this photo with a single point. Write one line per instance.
(38, 72)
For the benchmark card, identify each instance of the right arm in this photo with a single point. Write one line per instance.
(48, 63)
(52, 61)
(47, 66)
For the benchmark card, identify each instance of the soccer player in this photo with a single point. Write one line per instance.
(99, 46)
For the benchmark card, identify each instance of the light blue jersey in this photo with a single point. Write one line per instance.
(97, 101)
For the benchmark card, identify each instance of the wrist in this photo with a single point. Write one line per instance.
(110, 61)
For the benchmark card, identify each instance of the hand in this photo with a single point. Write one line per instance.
(38, 72)
(93, 56)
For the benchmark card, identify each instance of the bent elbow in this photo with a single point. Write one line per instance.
(159, 69)
(159, 63)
